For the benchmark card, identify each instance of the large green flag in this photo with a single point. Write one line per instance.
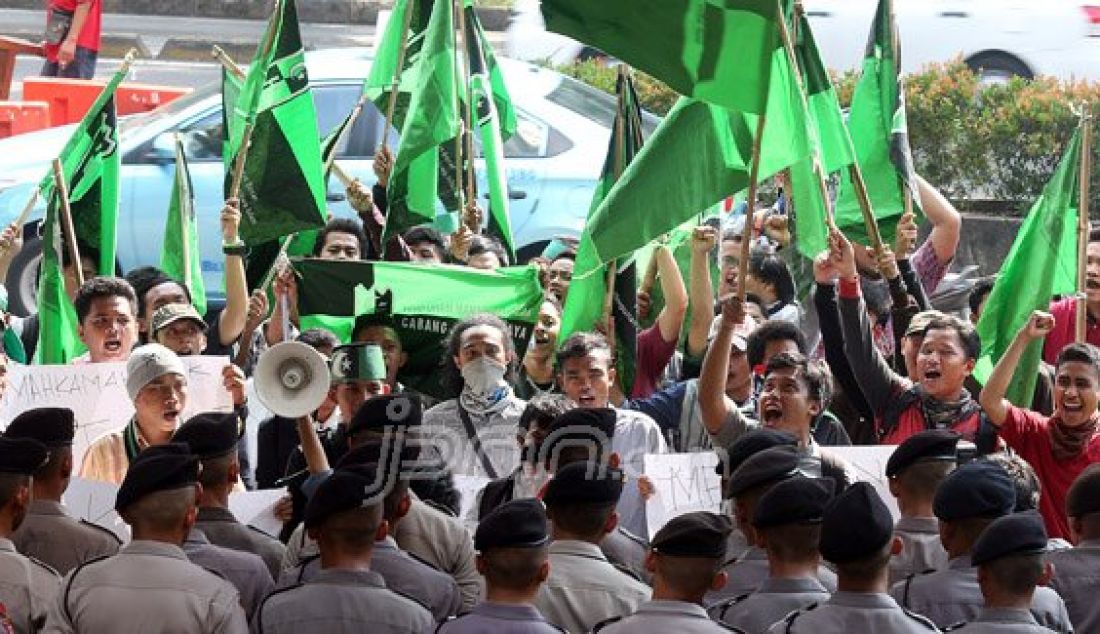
(432, 121)
(879, 132)
(383, 69)
(232, 126)
(475, 34)
(1041, 263)
(422, 303)
(57, 324)
(719, 52)
(91, 163)
(699, 154)
(179, 255)
(283, 188)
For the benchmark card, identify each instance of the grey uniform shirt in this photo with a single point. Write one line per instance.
(48, 533)
(664, 617)
(952, 596)
(341, 602)
(446, 436)
(775, 599)
(245, 571)
(489, 618)
(852, 612)
(921, 548)
(147, 588)
(747, 572)
(626, 551)
(222, 529)
(1006, 620)
(1077, 579)
(584, 588)
(27, 588)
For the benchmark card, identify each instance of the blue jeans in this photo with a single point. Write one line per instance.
(82, 66)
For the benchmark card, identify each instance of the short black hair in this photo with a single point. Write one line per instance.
(318, 338)
(769, 268)
(452, 377)
(769, 331)
(102, 286)
(979, 292)
(1024, 479)
(968, 335)
(150, 282)
(342, 225)
(1082, 353)
(876, 297)
(818, 381)
(482, 243)
(541, 411)
(581, 344)
(422, 234)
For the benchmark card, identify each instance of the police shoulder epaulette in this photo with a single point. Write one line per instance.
(302, 567)
(260, 608)
(641, 541)
(45, 566)
(260, 531)
(793, 616)
(439, 628)
(410, 598)
(909, 584)
(724, 606)
(69, 583)
(628, 572)
(604, 623)
(729, 628)
(420, 559)
(923, 620)
(101, 529)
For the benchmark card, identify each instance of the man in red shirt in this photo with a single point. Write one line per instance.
(1065, 309)
(1061, 446)
(72, 38)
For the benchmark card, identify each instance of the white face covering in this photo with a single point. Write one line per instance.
(483, 376)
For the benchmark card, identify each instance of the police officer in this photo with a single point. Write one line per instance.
(915, 470)
(27, 586)
(49, 533)
(584, 588)
(684, 558)
(511, 542)
(1075, 569)
(1009, 556)
(857, 536)
(966, 503)
(150, 585)
(247, 572)
(213, 437)
(346, 596)
(749, 482)
(787, 523)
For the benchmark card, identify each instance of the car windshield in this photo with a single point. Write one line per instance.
(168, 110)
(593, 104)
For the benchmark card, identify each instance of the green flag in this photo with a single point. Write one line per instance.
(719, 52)
(879, 132)
(179, 256)
(1041, 263)
(475, 34)
(232, 126)
(379, 82)
(283, 188)
(432, 121)
(57, 324)
(91, 164)
(697, 156)
(422, 303)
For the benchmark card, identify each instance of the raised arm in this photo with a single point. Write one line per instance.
(231, 321)
(945, 219)
(676, 297)
(701, 289)
(992, 398)
(713, 402)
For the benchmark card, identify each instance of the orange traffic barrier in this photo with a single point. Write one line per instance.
(69, 99)
(17, 117)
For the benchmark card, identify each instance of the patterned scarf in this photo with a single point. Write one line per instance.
(945, 414)
(1068, 442)
(483, 404)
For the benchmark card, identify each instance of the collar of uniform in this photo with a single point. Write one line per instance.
(6, 545)
(962, 562)
(215, 514)
(508, 611)
(918, 525)
(1006, 615)
(576, 548)
(195, 536)
(791, 586)
(150, 547)
(679, 608)
(46, 507)
(866, 600)
(343, 577)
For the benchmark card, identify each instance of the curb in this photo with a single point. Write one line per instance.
(179, 49)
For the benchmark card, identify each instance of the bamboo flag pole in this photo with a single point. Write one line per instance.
(330, 162)
(227, 62)
(270, 275)
(183, 189)
(468, 135)
(62, 189)
(391, 103)
(456, 104)
(238, 164)
(1083, 220)
(746, 233)
(339, 173)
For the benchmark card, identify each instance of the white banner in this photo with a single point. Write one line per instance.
(867, 463)
(682, 483)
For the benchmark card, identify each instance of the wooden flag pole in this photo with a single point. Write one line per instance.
(1083, 221)
(238, 164)
(468, 135)
(343, 176)
(865, 207)
(330, 162)
(750, 210)
(67, 219)
(270, 275)
(185, 242)
(391, 103)
(227, 62)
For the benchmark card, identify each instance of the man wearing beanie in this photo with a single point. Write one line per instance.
(27, 586)
(685, 559)
(787, 524)
(512, 545)
(1075, 569)
(1009, 555)
(49, 533)
(150, 586)
(966, 503)
(857, 536)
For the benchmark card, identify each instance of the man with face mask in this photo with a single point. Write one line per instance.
(474, 433)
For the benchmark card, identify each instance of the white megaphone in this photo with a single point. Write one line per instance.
(291, 379)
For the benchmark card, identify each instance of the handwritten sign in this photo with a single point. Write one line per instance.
(867, 463)
(682, 483)
(96, 392)
(257, 509)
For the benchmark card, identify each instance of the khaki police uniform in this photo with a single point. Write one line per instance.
(775, 599)
(921, 548)
(245, 571)
(50, 534)
(851, 612)
(1002, 621)
(585, 589)
(27, 587)
(489, 618)
(222, 529)
(664, 617)
(747, 572)
(1077, 579)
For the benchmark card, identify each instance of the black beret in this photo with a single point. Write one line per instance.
(697, 534)
(797, 500)
(379, 413)
(515, 524)
(976, 489)
(579, 425)
(584, 483)
(22, 455)
(939, 445)
(346, 489)
(399, 453)
(764, 467)
(158, 468)
(51, 426)
(210, 434)
(1084, 494)
(1015, 534)
(855, 525)
(754, 441)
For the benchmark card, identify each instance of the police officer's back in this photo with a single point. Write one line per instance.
(150, 586)
(1075, 570)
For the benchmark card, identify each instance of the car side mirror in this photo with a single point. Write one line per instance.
(162, 150)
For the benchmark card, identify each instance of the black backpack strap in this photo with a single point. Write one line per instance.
(475, 440)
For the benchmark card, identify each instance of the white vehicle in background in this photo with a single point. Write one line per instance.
(998, 38)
